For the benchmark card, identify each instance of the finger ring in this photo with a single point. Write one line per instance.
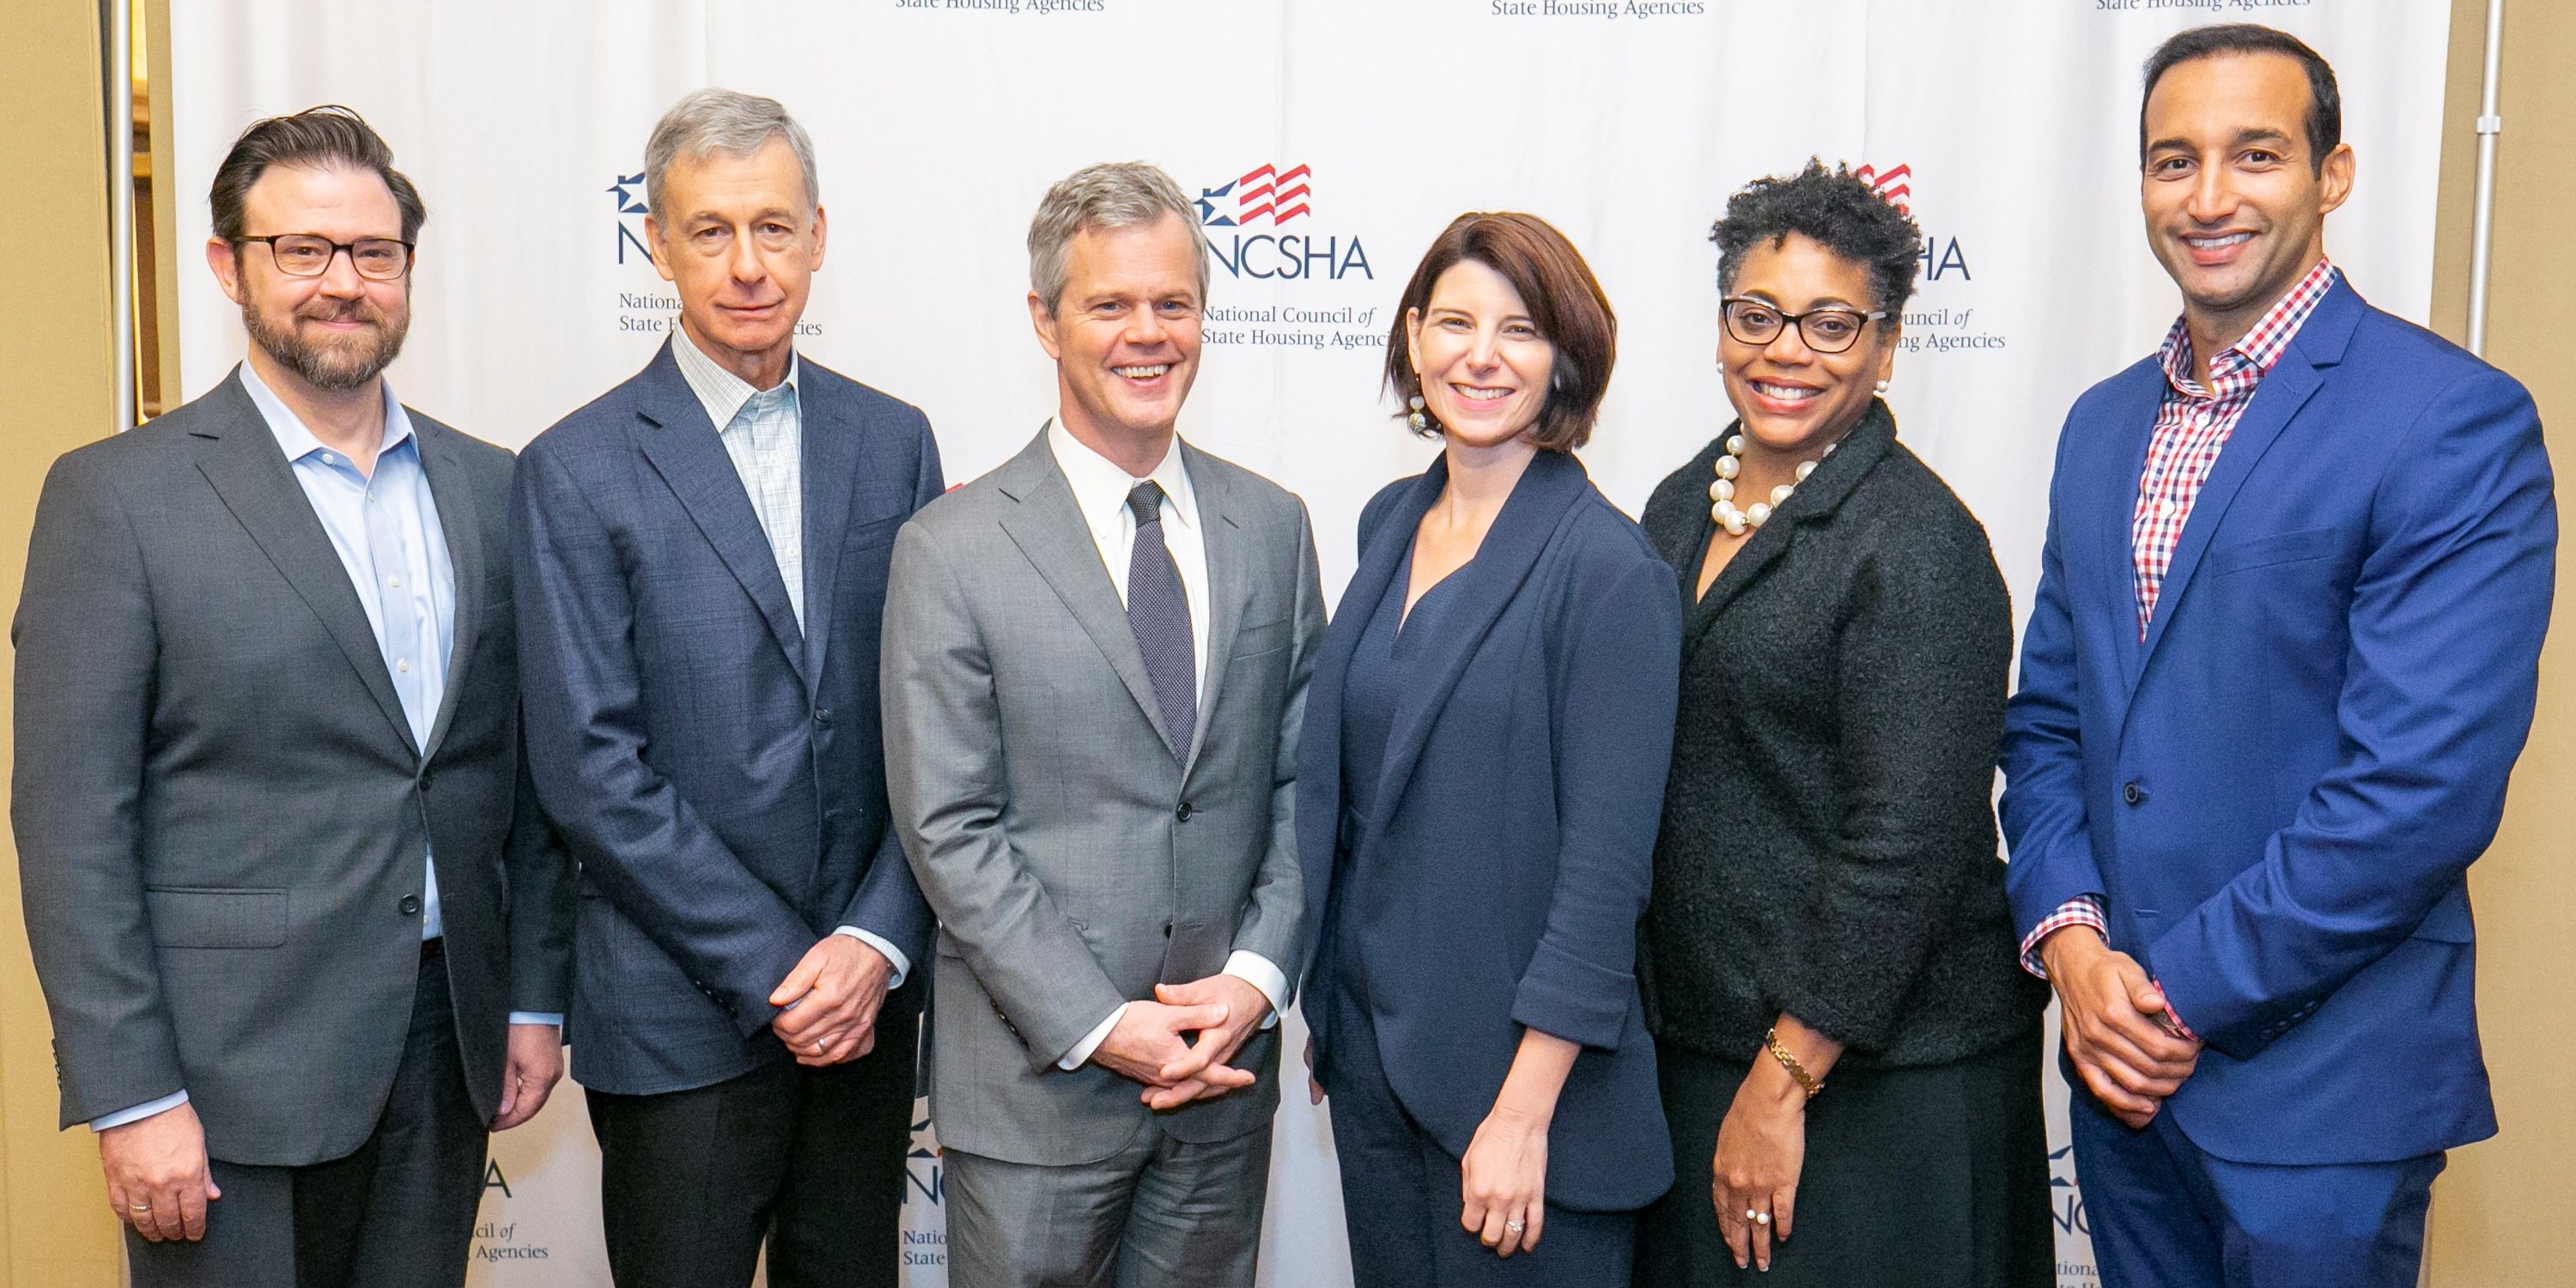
(1761, 1218)
(1514, 1226)
(139, 1207)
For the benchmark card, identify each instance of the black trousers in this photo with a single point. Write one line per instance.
(809, 1162)
(398, 1213)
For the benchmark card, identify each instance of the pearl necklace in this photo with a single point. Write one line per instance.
(1721, 493)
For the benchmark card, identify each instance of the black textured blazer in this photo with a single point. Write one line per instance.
(1828, 844)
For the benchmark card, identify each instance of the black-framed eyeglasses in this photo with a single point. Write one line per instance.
(378, 259)
(1827, 330)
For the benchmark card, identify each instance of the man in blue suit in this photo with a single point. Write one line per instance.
(2282, 659)
(704, 552)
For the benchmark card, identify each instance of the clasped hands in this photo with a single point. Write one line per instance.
(2114, 1018)
(831, 1001)
(1148, 1043)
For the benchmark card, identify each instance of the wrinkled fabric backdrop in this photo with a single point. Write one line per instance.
(1330, 140)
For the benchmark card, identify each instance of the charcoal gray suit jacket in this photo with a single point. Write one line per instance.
(222, 820)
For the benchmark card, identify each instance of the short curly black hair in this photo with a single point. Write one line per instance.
(1837, 210)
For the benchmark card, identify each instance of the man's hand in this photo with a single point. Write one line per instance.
(535, 1065)
(2111, 1012)
(1147, 1039)
(157, 1180)
(1183, 1079)
(832, 998)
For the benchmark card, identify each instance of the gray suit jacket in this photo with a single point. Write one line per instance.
(1074, 856)
(221, 815)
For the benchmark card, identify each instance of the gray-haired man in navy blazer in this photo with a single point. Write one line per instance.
(703, 553)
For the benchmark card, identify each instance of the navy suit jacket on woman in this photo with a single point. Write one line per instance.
(717, 770)
(1515, 814)
(2277, 794)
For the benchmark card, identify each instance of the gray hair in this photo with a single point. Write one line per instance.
(708, 121)
(1117, 194)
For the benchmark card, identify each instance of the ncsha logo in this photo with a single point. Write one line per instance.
(1941, 255)
(630, 208)
(1276, 196)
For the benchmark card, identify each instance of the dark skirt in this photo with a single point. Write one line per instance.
(1933, 1177)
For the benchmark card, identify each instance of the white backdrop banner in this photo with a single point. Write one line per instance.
(1329, 140)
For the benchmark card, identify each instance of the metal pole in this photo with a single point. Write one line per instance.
(2482, 222)
(119, 75)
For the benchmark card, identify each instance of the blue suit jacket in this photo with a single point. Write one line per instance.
(718, 773)
(2278, 793)
(1523, 783)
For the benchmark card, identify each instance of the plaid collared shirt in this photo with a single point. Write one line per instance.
(763, 430)
(2192, 425)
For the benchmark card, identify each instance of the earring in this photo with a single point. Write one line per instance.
(1421, 423)
(1882, 389)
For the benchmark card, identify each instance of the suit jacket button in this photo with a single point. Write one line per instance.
(425, 777)
(823, 716)
(1167, 930)
(1182, 812)
(410, 905)
(2129, 792)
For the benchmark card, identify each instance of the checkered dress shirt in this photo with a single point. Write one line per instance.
(764, 432)
(2192, 425)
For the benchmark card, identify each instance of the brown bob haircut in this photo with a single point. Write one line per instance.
(1565, 303)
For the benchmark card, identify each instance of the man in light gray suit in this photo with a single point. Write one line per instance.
(1095, 667)
(303, 933)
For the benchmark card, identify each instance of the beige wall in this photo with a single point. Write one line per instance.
(54, 395)
(2505, 1213)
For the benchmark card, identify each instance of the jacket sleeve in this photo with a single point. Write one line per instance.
(2042, 808)
(543, 889)
(888, 902)
(87, 655)
(637, 839)
(1273, 924)
(1619, 684)
(1919, 705)
(2448, 609)
(946, 781)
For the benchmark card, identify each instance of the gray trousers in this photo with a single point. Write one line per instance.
(1159, 1213)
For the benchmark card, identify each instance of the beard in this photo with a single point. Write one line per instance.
(339, 364)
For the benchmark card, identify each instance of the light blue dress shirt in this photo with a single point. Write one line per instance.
(763, 432)
(384, 526)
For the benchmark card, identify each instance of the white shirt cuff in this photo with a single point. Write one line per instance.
(1261, 973)
(893, 955)
(140, 1112)
(537, 1017)
(1091, 1041)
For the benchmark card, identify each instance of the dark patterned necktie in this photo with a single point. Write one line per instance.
(1158, 610)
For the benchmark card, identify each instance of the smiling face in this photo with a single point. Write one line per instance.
(2235, 206)
(335, 332)
(1793, 400)
(742, 245)
(1125, 336)
(1483, 365)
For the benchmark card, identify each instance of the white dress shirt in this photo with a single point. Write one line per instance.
(1100, 487)
(763, 431)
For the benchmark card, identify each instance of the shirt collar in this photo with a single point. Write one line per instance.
(2262, 345)
(296, 439)
(1100, 485)
(720, 391)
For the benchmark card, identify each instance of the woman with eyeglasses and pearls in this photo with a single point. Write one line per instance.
(1487, 731)
(1848, 1051)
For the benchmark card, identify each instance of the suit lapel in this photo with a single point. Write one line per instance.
(1548, 488)
(1229, 576)
(831, 464)
(683, 448)
(248, 471)
(1049, 529)
(461, 522)
(2133, 427)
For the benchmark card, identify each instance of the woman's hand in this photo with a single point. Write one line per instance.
(1503, 1179)
(1762, 1145)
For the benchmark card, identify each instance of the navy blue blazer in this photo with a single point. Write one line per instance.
(1517, 808)
(717, 772)
(2278, 793)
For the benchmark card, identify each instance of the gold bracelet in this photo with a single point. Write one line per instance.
(1797, 1072)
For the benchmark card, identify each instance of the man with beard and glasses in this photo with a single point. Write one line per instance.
(302, 930)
